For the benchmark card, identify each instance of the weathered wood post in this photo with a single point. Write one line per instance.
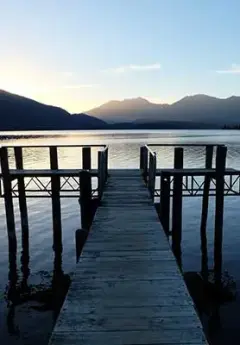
(56, 203)
(22, 198)
(177, 206)
(100, 177)
(165, 202)
(106, 164)
(219, 209)
(205, 202)
(145, 163)
(85, 199)
(154, 168)
(86, 158)
(141, 158)
(150, 172)
(80, 239)
(24, 217)
(8, 200)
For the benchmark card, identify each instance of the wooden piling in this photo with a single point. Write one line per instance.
(106, 164)
(219, 210)
(205, 202)
(145, 163)
(141, 163)
(86, 158)
(165, 203)
(80, 239)
(85, 199)
(177, 206)
(152, 173)
(22, 200)
(56, 203)
(8, 200)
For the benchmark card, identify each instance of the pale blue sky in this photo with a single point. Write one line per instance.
(80, 53)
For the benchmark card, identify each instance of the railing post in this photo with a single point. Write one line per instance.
(205, 202)
(85, 199)
(22, 204)
(154, 174)
(145, 163)
(219, 208)
(150, 172)
(86, 158)
(9, 208)
(177, 206)
(106, 164)
(100, 177)
(56, 203)
(141, 158)
(165, 202)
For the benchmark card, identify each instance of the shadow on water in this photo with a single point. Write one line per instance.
(211, 289)
(46, 296)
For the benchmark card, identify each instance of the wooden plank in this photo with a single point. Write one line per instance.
(78, 323)
(180, 337)
(131, 311)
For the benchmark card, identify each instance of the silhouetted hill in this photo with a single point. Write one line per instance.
(21, 113)
(198, 109)
(128, 110)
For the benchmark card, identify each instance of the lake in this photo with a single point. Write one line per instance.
(32, 319)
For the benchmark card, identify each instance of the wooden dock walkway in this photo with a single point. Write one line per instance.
(127, 288)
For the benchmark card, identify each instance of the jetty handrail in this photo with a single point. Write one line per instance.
(57, 145)
(182, 145)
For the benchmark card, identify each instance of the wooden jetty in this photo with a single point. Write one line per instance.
(128, 286)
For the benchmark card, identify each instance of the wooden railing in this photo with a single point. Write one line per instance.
(148, 166)
(13, 184)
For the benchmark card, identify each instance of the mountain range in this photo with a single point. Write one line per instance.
(191, 112)
(199, 109)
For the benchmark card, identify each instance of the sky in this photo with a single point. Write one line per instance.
(78, 54)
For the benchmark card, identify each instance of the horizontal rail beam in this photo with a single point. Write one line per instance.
(47, 146)
(183, 145)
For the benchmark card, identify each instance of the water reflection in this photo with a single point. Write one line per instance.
(210, 293)
(46, 295)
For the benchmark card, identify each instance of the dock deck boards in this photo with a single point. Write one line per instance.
(127, 288)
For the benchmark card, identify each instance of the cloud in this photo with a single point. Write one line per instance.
(80, 86)
(127, 68)
(234, 69)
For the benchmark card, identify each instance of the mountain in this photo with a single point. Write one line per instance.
(197, 109)
(21, 113)
(127, 110)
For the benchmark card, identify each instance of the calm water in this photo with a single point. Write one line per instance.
(32, 319)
